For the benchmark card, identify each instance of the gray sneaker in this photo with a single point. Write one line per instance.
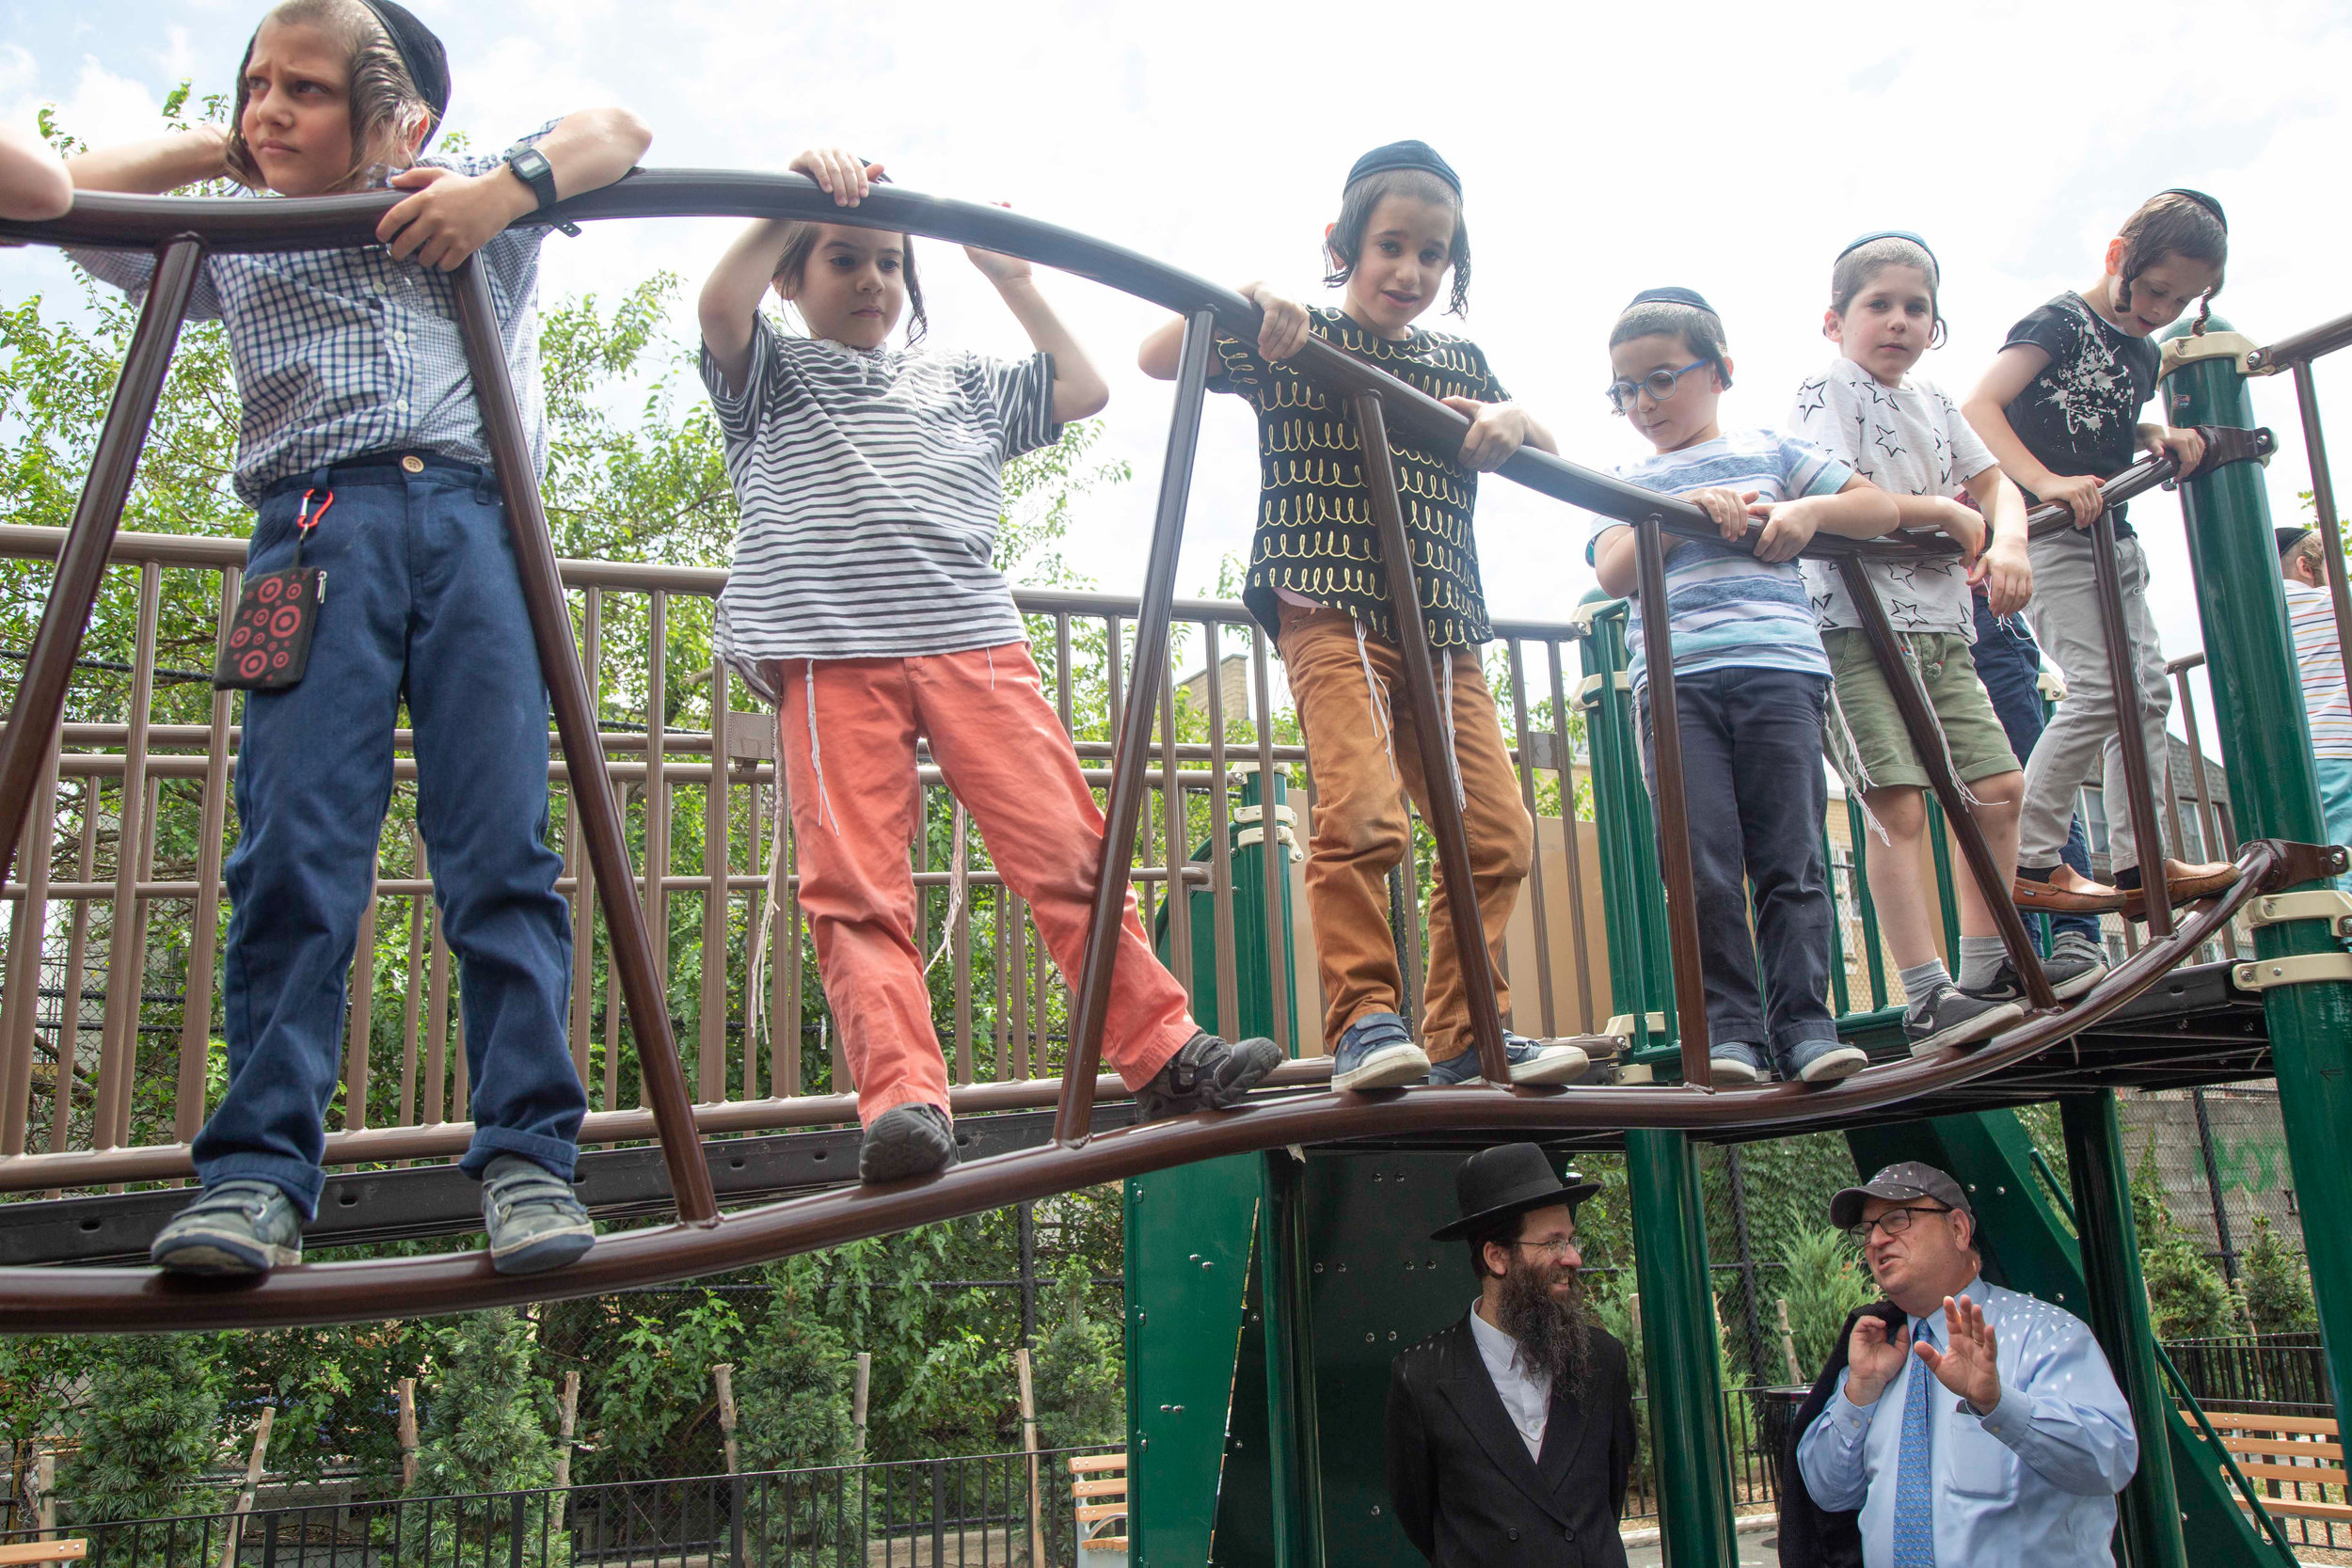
(535, 1220)
(907, 1141)
(1206, 1075)
(1531, 1061)
(1377, 1052)
(243, 1228)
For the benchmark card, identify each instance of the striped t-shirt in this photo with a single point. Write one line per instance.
(1724, 607)
(2313, 615)
(870, 483)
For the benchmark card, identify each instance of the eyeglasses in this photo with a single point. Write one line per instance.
(1894, 1222)
(1550, 1249)
(1660, 384)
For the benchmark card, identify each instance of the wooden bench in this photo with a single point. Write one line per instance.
(1100, 1488)
(44, 1551)
(2300, 1451)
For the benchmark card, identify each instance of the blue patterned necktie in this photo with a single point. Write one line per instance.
(1914, 1474)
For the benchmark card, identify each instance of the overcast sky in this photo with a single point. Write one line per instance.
(1731, 148)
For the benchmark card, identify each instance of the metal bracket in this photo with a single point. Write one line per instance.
(2227, 444)
(2302, 969)
(1252, 814)
(1622, 1025)
(2209, 345)
(1249, 836)
(1582, 616)
(1622, 680)
(2278, 908)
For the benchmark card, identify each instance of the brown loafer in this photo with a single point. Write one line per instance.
(2184, 883)
(2067, 892)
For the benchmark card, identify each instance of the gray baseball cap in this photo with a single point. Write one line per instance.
(1906, 1179)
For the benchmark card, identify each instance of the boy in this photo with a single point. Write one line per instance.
(1750, 678)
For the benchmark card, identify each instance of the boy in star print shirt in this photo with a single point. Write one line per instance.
(1904, 434)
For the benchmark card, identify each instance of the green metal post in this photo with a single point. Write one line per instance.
(2266, 747)
(1840, 1002)
(1632, 888)
(1290, 1366)
(2149, 1512)
(1947, 896)
(1678, 1343)
(1873, 952)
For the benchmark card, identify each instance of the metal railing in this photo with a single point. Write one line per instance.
(985, 1511)
(183, 231)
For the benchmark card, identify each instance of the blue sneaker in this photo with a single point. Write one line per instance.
(1733, 1064)
(1377, 1052)
(535, 1220)
(1531, 1062)
(1826, 1061)
(238, 1229)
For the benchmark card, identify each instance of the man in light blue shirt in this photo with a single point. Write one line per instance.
(1989, 1428)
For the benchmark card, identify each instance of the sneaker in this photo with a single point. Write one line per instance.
(1377, 1052)
(243, 1228)
(1206, 1075)
(1531, 1062)
(2074, 965)
(535, 1219)
(1951, 1015)
(1827, 1061)
(906, 1141)
(1733, 1064)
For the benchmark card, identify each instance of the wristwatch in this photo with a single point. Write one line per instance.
(530, 165)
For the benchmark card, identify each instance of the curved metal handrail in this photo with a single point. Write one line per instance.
(107, 1300)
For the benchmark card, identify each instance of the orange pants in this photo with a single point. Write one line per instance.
(1362, 771)
(857, 807)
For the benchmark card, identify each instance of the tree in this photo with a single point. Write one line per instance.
(1081, 1372)
(1822, 1283)
(2186, 1296)
(487, 1410)
(657, 1384)
(2277, 1283)
(150, 1425)
(793, 1383)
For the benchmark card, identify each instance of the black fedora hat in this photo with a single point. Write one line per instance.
(1509, 1178)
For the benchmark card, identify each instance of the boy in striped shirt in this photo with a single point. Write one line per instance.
(1751, 681)
(2319, 657)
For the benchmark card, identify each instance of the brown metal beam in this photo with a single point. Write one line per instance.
(82, 562)
(643, 987)
(2123, 682)
(1673, 804)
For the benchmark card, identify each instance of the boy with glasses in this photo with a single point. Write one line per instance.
(1751, 681)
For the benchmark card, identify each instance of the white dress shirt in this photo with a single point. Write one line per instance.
(1526, 1390)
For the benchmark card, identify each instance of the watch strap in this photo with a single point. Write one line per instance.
(530, 165)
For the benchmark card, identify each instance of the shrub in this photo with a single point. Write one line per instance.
(1080, 1372)
(2277, 1283)
(150, 1428)
(1824, 1281)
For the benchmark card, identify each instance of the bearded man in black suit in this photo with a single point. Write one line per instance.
(1511, 1433)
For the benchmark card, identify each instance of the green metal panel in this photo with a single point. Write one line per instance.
(1253, 976)
(2030, 1246)
(2266, 745)
(1632, 889)
(1188, 1240)
(2118, 1298)
(1680, 1348)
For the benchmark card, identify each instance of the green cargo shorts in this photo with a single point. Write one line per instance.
(1863, 703)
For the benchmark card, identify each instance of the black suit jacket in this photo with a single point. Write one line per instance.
(1464, 1489)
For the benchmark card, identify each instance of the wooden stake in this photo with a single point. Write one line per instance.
(1028, 1440)
(567, 1424)
(1789, 1343)
(857, 1398)
(723, 1375)
(252, 1482)
(408, 1394)
(45, 1490)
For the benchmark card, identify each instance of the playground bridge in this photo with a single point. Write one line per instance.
(2151, 1020)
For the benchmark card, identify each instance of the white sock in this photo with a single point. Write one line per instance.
(1920, 980)
(1980, 958)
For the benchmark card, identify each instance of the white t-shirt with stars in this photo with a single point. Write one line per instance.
(1908, 441)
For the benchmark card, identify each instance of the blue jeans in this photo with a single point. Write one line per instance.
(422, 601)
(2335, 799)
(2010, 665)
(1751, 765)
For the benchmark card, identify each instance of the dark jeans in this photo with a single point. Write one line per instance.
(422, 601)
(2010, 665)
(1752, 765)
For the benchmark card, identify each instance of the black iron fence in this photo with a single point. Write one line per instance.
(976, 1510)
(2280, 1374)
